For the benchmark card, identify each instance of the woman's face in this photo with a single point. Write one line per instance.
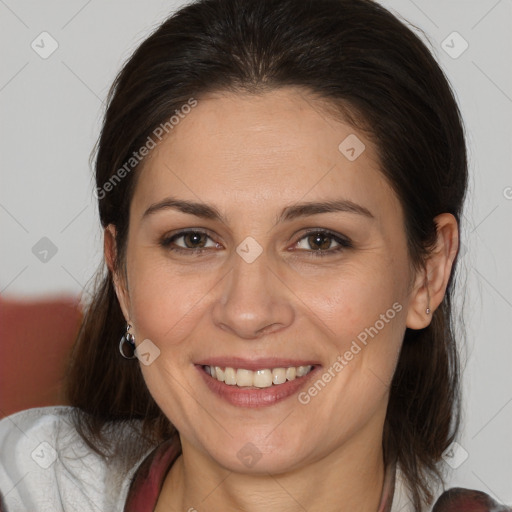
(230, 265)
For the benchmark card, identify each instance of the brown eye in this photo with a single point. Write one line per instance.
(320, 243)
(190, 241)
(194, 239)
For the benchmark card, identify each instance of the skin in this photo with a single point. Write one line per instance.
(250, 156)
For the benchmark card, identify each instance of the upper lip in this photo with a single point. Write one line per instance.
(255, 363)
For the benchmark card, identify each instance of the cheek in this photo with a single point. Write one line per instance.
(165, 304)
(350, 301)
(362, 313)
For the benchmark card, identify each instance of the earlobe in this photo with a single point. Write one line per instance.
(110, 254)
(432, 280)
(417, 316)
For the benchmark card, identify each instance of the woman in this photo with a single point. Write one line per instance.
(280, 185)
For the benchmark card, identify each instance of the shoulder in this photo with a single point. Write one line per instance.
(460, 500)
(452, 500)
(45, 465)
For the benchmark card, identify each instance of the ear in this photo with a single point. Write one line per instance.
(431, 281)
(120, 284)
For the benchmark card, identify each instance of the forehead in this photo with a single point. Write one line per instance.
(279, 146)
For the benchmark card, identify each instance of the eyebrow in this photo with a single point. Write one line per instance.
(295, 211)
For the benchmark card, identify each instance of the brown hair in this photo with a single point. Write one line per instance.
(362, 60)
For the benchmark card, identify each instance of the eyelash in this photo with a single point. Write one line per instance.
(344, 243)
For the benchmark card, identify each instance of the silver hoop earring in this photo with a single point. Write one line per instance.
(130, 339)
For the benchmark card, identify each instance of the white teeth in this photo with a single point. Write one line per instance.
(291, 373)
(263, 378)
(230, 376)
(244, 377)
(220, 373)
(302, 370)
(279, 375)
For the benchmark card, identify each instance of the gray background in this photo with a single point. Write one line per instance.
(51, 111)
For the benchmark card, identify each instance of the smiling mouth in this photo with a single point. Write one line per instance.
(263, 378)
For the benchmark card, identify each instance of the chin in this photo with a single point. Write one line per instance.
(261, 455)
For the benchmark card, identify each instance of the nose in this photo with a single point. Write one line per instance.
(253, 300)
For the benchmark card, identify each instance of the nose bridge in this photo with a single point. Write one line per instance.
(251, 301)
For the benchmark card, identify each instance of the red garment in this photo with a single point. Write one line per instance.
(149, 479)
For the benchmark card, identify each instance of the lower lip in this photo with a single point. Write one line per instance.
(254, 397)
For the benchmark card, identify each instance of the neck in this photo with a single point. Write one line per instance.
(350, 478)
